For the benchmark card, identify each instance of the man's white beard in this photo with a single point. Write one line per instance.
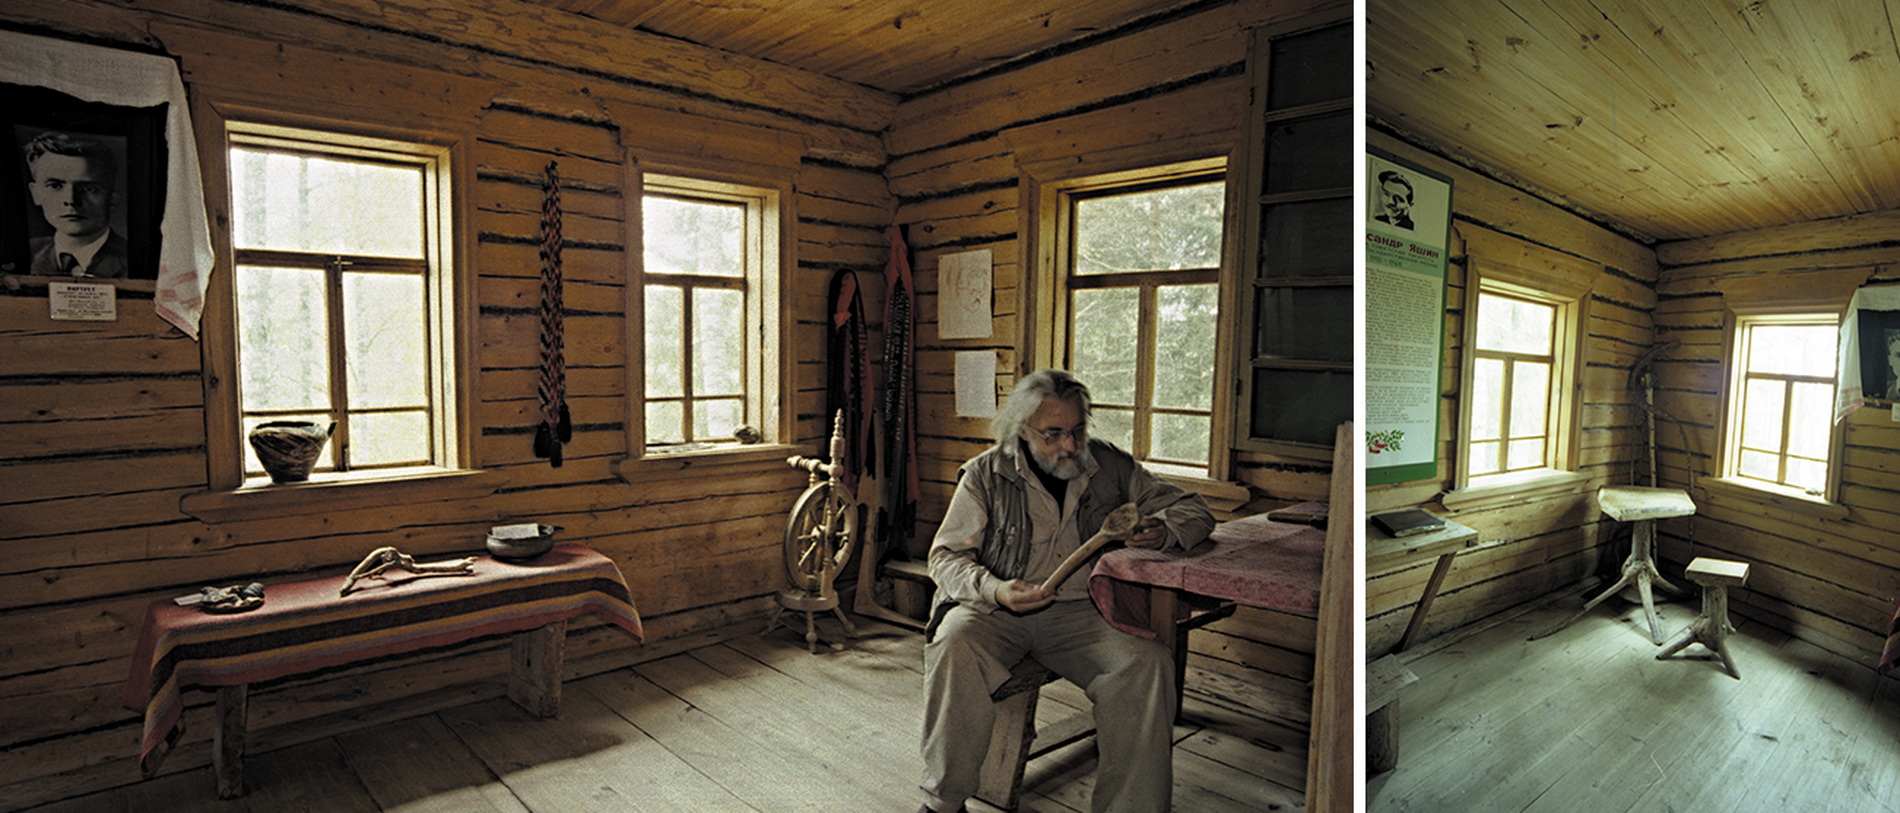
(1063, 467)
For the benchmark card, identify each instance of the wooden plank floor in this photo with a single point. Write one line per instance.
(1588, 719)
(755, 723)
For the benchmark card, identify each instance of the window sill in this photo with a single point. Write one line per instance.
(1510, 489)
(259, 498)
(1762, 494)
(1310, 452)
(667, 466)
(1218, 494)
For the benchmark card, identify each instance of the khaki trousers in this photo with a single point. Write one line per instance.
(1129, 679)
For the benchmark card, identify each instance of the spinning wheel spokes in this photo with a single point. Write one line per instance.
(818, 536)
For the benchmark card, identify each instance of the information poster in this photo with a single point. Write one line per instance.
(1408, 230)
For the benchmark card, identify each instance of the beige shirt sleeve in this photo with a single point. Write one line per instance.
(952, 559)
(1183, 512)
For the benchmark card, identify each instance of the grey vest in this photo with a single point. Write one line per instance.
(1005, 549)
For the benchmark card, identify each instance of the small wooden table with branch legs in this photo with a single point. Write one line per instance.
(1642, 505)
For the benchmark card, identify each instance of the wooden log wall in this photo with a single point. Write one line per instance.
(1531, 547)
(1828, 581)
(959, 157)
(105, 426)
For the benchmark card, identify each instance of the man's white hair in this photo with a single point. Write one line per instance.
(1028, 397)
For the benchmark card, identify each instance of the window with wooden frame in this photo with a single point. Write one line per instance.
(1520, 376)
(343, 296)
(1780, 404)
(1295, 247)
(710, 317)
(1512, 389)
(1140, 279)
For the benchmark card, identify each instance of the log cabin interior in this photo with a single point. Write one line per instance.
(1660, 181)
(125, 479)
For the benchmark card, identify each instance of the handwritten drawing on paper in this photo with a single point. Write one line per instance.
(963, 295)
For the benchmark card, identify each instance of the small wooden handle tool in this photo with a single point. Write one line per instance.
(1120, 523)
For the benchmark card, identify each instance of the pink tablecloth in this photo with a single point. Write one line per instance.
(1253, 561)
(305, 626)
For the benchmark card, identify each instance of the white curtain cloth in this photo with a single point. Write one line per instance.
(129, 79)
(1847, 384)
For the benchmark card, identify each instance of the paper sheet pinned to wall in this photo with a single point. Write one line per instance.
(963, 295)
(976, 384)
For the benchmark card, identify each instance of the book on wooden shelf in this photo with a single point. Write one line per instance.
(1306, 513)
(1408, 522)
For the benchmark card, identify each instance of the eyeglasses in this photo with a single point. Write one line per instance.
(1055, 436)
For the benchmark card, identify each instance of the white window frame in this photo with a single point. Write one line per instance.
(1566, 289)
(1552, 396)
(767, 379)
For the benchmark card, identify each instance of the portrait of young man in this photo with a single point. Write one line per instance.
(73, 183)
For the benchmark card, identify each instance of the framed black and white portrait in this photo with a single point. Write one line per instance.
(1880, 353)
(83, 191)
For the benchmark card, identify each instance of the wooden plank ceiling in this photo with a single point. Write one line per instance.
(1675, 119)
(900, 46)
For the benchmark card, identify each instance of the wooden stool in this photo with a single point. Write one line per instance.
(1711, 629)
(1014, 739)
(1385, 678)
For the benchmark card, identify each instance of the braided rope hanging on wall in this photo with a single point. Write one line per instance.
(899, 398)
(555, 427)
(849, 386)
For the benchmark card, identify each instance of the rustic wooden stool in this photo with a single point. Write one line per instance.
(1014, 739)
(1711, 629)
(1385, 679)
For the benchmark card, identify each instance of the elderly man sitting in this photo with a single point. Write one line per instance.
(1020, 508)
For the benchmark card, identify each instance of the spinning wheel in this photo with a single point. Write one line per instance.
(819, 534)
(818, 540)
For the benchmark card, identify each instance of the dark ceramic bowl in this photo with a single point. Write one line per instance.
(514, 547)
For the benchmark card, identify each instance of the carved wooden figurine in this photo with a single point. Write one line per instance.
(386, 557)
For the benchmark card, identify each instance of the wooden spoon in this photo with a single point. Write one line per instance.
(1120, 523)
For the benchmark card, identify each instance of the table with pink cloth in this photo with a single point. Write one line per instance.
(1254, 561)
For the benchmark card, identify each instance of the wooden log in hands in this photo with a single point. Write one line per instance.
(1120, 523)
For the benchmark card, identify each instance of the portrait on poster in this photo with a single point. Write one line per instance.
(1407, 232)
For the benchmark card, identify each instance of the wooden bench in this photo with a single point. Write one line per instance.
(309, 626)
